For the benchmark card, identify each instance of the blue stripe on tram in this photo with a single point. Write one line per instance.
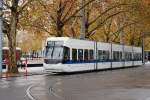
(94, 61)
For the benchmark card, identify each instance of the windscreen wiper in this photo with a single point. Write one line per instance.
(53, 51)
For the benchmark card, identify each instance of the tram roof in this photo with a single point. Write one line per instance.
(60, 39)
(69, 38)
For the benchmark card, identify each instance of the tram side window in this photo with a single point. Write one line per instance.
(86, 55)
(105, 55)
(66, 54)
(128, 56)
(74, 54)
(140, 55)
(137, 56)
(91, 52)
(116, 55)
(100, 55)
(80, 54)
(120, 55)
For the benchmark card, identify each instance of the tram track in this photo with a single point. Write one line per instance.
(28, 92)
(50, 90)
(51, 87)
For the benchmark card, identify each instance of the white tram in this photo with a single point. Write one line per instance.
(64, 54)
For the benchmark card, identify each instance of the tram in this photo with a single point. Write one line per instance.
(64, 54)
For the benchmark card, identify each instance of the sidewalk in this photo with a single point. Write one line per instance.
(22, 72)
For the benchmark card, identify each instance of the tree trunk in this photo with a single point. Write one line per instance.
(12, 68)
(108, 38)
(59, 33)
(59, 30)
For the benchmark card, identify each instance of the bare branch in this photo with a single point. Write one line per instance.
(24, 6)
(6, 5)
(107, 10)
(53, 19)
(68, 11)
(103, 22)
(116, 36)
(68, 19)
(41, 28)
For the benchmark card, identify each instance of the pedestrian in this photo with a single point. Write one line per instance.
(19, 63)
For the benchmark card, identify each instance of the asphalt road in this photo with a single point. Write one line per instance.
(123, 84)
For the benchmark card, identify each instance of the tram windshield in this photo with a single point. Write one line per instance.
(56, 53)
(54, 50)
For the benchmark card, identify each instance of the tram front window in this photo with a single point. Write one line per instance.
(54, 52)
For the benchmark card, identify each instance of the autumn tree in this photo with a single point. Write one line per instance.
(105, 19)
(101, 15)
(12, 13)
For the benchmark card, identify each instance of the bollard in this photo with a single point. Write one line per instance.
(6, 62)
(26, 64)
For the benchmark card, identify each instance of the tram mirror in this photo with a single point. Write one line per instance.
(46, 47)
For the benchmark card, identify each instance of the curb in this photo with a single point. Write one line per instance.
(22, 75)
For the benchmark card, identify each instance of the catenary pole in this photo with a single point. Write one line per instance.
(82, 12)
(1, 36)
(143, 54)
